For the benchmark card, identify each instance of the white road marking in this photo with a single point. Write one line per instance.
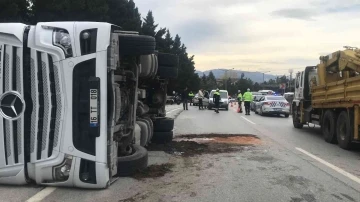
(41, 194)
(172, 110)
(248, 120)
(337, 169)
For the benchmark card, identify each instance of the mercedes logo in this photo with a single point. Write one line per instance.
(12, 105)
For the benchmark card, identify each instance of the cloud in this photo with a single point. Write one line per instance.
(296, 13)
(260, 34)
(352, 8)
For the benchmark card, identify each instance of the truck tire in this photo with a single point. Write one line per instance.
(295, 116)
(328, 126)
(344, 130)
(134, 45)
(163, 124)
(128, 165)
(167, 72)
(162, 137)
(168, 66)
(168, 60)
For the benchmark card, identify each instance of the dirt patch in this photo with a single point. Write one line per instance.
(191, 145)
(154, 171)
(137, 197)
(221, 138)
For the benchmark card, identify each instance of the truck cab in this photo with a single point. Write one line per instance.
(70, 100)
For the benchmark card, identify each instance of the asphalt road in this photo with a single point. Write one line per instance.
(288, 165)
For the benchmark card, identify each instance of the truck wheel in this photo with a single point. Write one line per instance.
(168, 66)
(328, 127)
(344, 130)
(296, 120)
(167, 72)
(169, 60)
(163, 124)
(128, 165)
(133, 45)
(162, 137)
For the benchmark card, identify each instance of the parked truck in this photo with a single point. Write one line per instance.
(78, 102)
(329, 95)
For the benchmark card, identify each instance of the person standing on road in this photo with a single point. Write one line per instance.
(191, 97)
(216, 100)
(239, 98)
(247, 97)
(184, 97)
(200, 97)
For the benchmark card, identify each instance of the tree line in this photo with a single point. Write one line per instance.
(209, 82)
(123, 13)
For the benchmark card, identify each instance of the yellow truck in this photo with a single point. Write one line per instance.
(329, 95)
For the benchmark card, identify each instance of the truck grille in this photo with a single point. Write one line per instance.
(13, 131)
(46, 95)
(39, 85)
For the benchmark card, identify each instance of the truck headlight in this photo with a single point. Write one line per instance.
(61, 172)
(61, 39)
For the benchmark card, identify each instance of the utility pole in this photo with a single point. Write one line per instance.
(291, 72)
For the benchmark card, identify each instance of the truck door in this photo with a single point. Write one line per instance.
(299, 86)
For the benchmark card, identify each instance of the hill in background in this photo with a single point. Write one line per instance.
(254, 76)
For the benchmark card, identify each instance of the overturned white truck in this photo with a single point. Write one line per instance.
(72, 95)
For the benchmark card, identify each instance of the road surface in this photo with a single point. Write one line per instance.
(284, 164)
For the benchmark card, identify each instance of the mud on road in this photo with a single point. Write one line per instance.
(192, 145)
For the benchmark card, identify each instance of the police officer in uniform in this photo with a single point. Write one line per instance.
(239, 99)
(191, 97)
(248, 98)
(216, 100)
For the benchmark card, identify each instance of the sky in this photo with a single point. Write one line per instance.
(258, 35)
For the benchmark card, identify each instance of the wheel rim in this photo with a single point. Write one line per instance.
(296, 118)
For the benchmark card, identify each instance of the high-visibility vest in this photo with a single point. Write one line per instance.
(247, 97)
(191, 95)
(239, 97)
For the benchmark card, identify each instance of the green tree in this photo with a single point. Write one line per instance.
(212, 84)
(168, 42)
(124, 13)
(14, 11)
(67, 10)
(149, 28)
(204, 84)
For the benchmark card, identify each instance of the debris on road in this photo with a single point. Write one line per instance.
(191, 145)
(137, 197)
(239, 139)
(154, 171)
